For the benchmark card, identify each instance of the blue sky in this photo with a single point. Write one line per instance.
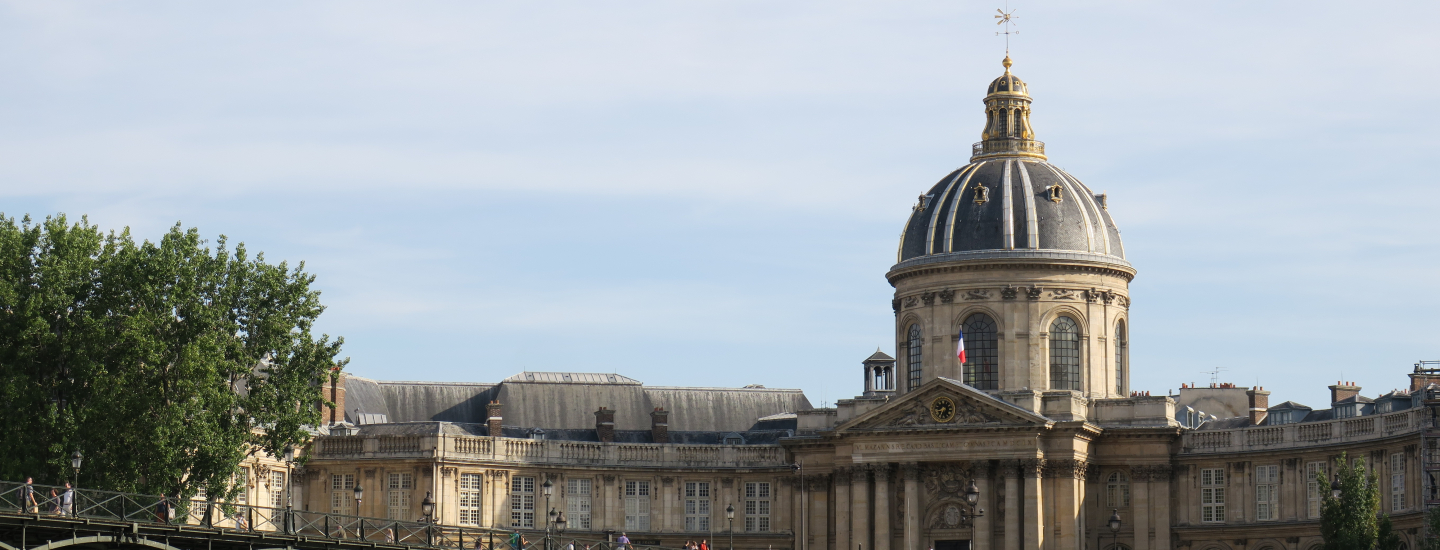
(709, 193)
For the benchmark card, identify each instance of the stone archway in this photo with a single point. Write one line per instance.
(103, 539)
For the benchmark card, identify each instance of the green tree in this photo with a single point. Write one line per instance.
(166, 363)
(1432, 530)
(1349, 522)
(1385, 536)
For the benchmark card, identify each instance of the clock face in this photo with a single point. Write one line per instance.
(942, 409)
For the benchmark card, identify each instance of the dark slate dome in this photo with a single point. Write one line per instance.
(1009, 202)
(1010, 205)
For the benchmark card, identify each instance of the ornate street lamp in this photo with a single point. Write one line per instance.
(1114, 524)
(730, 516)
(289, 456)
(427, 508)
(75, 459)
(1335, 487)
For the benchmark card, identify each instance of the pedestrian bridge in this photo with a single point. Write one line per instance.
(108, 520)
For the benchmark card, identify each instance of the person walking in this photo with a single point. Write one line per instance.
(162, 509)
(515, 540)
(27, 497)
(623, 542)
(67, 501)
(704, 544)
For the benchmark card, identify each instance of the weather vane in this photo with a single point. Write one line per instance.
(1007, 18)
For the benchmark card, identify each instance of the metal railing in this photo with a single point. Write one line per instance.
(93, 504)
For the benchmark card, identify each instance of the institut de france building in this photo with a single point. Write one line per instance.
(1034, 443)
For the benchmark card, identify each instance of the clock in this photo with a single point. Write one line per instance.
(942, 409)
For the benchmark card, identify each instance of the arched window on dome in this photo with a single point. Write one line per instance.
(914, 361)
(1064, 354)
(1117, 491)
(982, 357)
(1122, 356)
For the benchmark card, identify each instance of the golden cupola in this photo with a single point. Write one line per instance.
(1007, 121)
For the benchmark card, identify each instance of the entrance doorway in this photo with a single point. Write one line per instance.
(952, 545)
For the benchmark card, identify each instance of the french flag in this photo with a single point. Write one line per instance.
(960, 353)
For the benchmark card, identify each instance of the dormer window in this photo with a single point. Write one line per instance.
(1282, 417)
(734, 438)
(537, 434)
(1344, 411)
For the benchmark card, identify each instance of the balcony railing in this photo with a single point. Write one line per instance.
(1343, 430)
(123, 509)
(560, 452)
(1023, 147)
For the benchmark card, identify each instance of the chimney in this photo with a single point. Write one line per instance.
(1341, 391)
(605, 425)
(1259, 402)
(1419, 379)
(660, 425)
(333, 390)
(494, 420)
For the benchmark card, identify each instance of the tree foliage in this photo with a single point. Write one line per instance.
(1350, 522)
(1432, 530)
(165, 363)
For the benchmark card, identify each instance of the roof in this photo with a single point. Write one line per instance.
(550, 402)
(1289, 405)
(590, 378)
(879, 356)
(1356, 399)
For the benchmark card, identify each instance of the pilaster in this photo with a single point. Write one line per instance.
(1032, 472)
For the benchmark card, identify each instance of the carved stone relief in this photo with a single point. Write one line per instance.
(947, 296)
(1063, 294)
(980, 294)
(1009, 292)
(928, 298)
(1033, 292)
(911, 301)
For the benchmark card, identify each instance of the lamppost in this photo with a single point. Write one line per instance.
(427, 508)
(1114, 524)
(972, 497)
(1335, 487)
(289, 466)
(359, 524)
(804, 525)
(560, 524)
(548, 489)
(730, 516)
(75, 459)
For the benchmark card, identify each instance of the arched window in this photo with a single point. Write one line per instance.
(1064, 354)
(982, 357)
(1122, 352)
(1117, 491)
(914, 361)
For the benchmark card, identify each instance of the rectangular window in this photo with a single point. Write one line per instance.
(1117, 491)
(277, 489)
(757, 507)
(522, 502)
(914, 361)
(637, 505)
(342, 494)
(1212, 495)
(242, 480)
(1397, 482)
(697, 506)
(469, 499)
(1314, 491)
(577, 503)
(1267, 493)
(399, 505)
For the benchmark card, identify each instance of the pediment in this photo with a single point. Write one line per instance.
(972, 408)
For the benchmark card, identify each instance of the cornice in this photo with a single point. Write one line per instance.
(992, 260)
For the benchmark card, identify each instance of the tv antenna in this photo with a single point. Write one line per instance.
(1007, 18)
(1214, 375)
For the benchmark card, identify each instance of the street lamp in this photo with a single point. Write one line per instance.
(359, 496)
(1335, 487)
(1114, 524)
(75, 459)
(972, 497)
(289, 456)
(548, 489)
(804, 517)
(730, 516)
(427, 507)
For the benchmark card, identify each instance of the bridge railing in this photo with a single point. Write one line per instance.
(48, 500)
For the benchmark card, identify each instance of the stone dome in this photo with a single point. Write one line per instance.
(1010, 202)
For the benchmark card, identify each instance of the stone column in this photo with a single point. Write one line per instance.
(983, 532)
(1033, 471)
(1010, 469)
(612, 505)
(860, 508)
(1068, 474)
(911, 472)
(842, 509)
(882, 506)
(819, 513)
(1160, 504)
(1140, 503)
